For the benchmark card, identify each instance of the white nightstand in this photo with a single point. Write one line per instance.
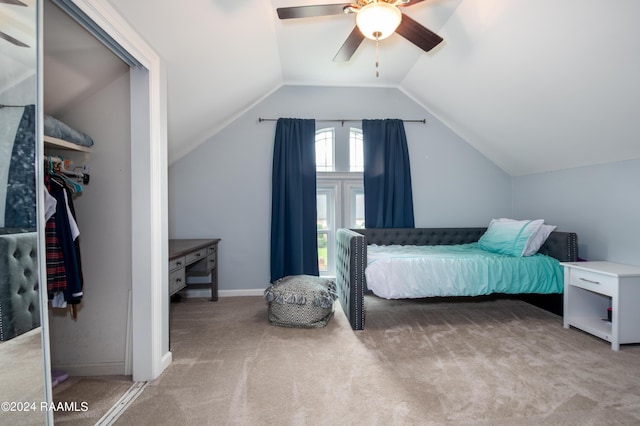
(590, 288)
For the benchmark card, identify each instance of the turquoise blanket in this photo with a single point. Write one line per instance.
(396, 272)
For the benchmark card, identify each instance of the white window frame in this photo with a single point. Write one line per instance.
(332, 166)
(355, 131)
(332, 190)
(351, 188)
(343, 187)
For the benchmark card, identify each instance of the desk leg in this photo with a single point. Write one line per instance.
(214, 285)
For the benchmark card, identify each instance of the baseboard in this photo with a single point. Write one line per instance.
(206, 293)
(106, 368)
(165, 361)
(101, 369)
(246, 292)
(195, 293)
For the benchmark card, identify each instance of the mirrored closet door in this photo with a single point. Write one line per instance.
(22, 352)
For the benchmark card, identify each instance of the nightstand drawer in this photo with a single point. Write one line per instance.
(197, 255)
(176, 263)
(177, 281)
(593, 281)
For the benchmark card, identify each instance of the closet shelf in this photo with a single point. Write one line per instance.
(51, 142)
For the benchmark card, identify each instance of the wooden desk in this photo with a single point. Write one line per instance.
(193, 258)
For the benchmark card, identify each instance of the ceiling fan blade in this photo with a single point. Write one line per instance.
(16, 2)
(417, 34)
(406, 3)
(350, 46)
(311, 11)
(12, 40)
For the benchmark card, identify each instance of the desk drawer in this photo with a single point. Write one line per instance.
(211, 261)
(211, 250)
(176, 281)
(196, 255)
(176, 263)
(598, 283)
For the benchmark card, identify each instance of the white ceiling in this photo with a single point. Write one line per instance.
(307, 47)
(535, 85)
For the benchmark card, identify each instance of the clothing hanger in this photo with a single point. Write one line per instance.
(56, 168)
(66, 172)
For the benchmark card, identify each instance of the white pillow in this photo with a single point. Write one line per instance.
(536, 240)
(508, 236)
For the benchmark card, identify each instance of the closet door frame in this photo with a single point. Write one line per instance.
(149, 213)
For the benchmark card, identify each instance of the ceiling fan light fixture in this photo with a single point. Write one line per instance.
(378, 20)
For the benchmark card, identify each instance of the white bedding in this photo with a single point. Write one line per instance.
(398, 272)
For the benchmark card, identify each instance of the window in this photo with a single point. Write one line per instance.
(356, 153)
(355, 191)
(326, 197)
(331, 157)
(340, 191)
(324, 150)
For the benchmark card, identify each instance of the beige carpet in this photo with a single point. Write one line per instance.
(98, 394)
(22, 379)
(417, 363)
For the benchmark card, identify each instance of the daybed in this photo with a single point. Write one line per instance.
(351, 257)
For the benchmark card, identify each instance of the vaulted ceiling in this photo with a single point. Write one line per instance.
(535, 85)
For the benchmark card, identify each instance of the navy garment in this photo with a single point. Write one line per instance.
(294, 246)
(70, 250)
(20, 209)
(388, 198)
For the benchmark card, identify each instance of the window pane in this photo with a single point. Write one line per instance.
(323, 255)
(326, 227)
(358, 210)
(356, 205)
(324, 150)
(356, 156)
(321, 201)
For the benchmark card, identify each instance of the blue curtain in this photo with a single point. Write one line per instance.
(388, 200)
(294, 247)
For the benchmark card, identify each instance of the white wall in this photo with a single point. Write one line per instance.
(223, 188)
(600, 203)
(95, 343)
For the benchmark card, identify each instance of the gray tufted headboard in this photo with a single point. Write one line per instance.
(351, 256)
(19, 298)
(560, 245)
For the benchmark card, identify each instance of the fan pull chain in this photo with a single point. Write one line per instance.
(377, 35)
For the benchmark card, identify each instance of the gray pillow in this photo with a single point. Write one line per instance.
(301, 301)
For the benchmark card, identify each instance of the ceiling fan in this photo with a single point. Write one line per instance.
(375, 19)
(6, 36)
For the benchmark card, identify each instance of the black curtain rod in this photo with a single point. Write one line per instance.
(423, 121)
